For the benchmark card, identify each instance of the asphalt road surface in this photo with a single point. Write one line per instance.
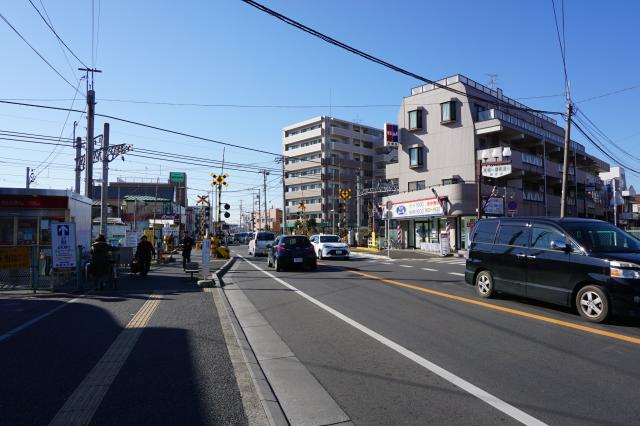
(151, 352)
(409, 342)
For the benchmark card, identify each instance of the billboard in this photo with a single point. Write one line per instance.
(391, 135)
(416, 208)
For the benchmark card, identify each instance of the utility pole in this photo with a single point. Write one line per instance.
(91, 110)
(615, 204)
(259, 210)
(241, 230)
(358, 200)
(264, 191)
(104, 209)
(567, 143)
(78, 169)
(284, 200)
(28, 181)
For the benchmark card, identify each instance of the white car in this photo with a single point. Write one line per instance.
(330, 246)
(258, 245)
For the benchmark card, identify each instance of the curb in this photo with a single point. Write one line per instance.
(219, 273)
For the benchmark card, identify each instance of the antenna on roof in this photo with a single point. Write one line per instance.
(493, 81)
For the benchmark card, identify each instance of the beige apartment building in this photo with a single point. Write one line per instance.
(448, 139)
(324, 156)
(272, 221)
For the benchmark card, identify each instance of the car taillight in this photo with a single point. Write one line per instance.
(310, 249)
(281, 249)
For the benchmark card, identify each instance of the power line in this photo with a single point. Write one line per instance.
(597, 129)
(609, 94)
(56, 34)
(36, 52)
(379, 61)
(562, 47)
(60, 45)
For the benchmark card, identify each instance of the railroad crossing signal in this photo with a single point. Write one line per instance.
(302, 206)
(203, 199)
(345, 194)
(219, 180)
(227, 215)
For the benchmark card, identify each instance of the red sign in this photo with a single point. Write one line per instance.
(33, 202)
(391, 137)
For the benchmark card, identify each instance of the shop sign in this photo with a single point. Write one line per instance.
(177, 177)
(15, 258)
(33, 202)
(417, 208)
(391, 135)
(496, 170)
(445, 245)
(63, 245)
(494, 206)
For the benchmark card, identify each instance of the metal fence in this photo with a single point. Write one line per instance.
(29, 267)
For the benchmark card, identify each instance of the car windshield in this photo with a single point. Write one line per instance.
(296, 241)
(602, 237)
(266, 236)
(329, 239)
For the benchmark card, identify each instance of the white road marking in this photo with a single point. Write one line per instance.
(36, 319)
(457, 274)
(481, 394)
(429, 269)
(406, 266)
(387, 263)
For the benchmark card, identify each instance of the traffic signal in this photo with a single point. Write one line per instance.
(227, 215)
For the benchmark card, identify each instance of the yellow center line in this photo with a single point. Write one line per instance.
(543, 318)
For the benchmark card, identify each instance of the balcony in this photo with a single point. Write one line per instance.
(503, 117)
(306, 193)
(310, 134)
(300, 165)
(533, 196)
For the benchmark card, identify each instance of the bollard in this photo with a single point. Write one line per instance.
(79, 269)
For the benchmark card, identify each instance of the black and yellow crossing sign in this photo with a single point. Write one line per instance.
(203, 200)
(345, 194)
(219, 180)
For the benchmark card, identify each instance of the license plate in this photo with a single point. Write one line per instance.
(297, 260)
(338, 251)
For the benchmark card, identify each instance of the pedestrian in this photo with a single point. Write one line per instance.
(100, 261)
(187, 245)
(145, 252)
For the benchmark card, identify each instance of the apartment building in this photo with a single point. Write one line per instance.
(447, 139)
(324, 156)
(272, 221)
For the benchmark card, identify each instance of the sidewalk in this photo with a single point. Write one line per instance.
(154, 351)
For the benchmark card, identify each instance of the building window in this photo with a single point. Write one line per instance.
(415, 157)
(415, 119)
(416, 186)
(450, 181)
(448, 112)
(479, 109)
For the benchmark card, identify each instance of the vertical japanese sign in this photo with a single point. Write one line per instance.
(63, 245)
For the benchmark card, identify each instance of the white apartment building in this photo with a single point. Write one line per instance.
(324, 156)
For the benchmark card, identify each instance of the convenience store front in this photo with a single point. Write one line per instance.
(26, 216)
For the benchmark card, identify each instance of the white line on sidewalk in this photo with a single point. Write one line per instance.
(429, 269)
(481, 394)
(457, 274)
(36, 319)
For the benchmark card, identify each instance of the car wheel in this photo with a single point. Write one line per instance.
(484, 284)
(592, 303)
(320, 254)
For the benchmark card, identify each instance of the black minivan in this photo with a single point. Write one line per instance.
(585, 263)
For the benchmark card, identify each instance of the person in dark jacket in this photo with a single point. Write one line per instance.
(187, 245)
(145, 253)
(100, 260)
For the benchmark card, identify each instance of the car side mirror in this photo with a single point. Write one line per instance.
(559, 245)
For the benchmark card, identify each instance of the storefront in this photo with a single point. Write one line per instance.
(26, 215)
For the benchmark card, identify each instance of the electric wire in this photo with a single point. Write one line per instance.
(379, 61)
(55, 33)
(562, 47)
(36, 52)
(60, 44)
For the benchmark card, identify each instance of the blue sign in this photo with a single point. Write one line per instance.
(512, 205)
(400, 210)
(63, 230)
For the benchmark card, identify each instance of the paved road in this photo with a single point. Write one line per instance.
(162, 332)
(406, 342)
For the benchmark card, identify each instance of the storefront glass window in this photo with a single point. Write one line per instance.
(6, 231)
(468, 222)
(27, 231)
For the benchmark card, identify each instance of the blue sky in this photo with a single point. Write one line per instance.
(226, 52)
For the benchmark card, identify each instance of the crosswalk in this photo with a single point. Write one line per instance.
(435, 260)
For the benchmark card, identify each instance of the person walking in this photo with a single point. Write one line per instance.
(187, 245)
(100, 261)
(145, 252)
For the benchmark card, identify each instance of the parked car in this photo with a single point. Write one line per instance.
(243, 237)
(330, 246)
(258, 245)
(291, 250)
(585, 263)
